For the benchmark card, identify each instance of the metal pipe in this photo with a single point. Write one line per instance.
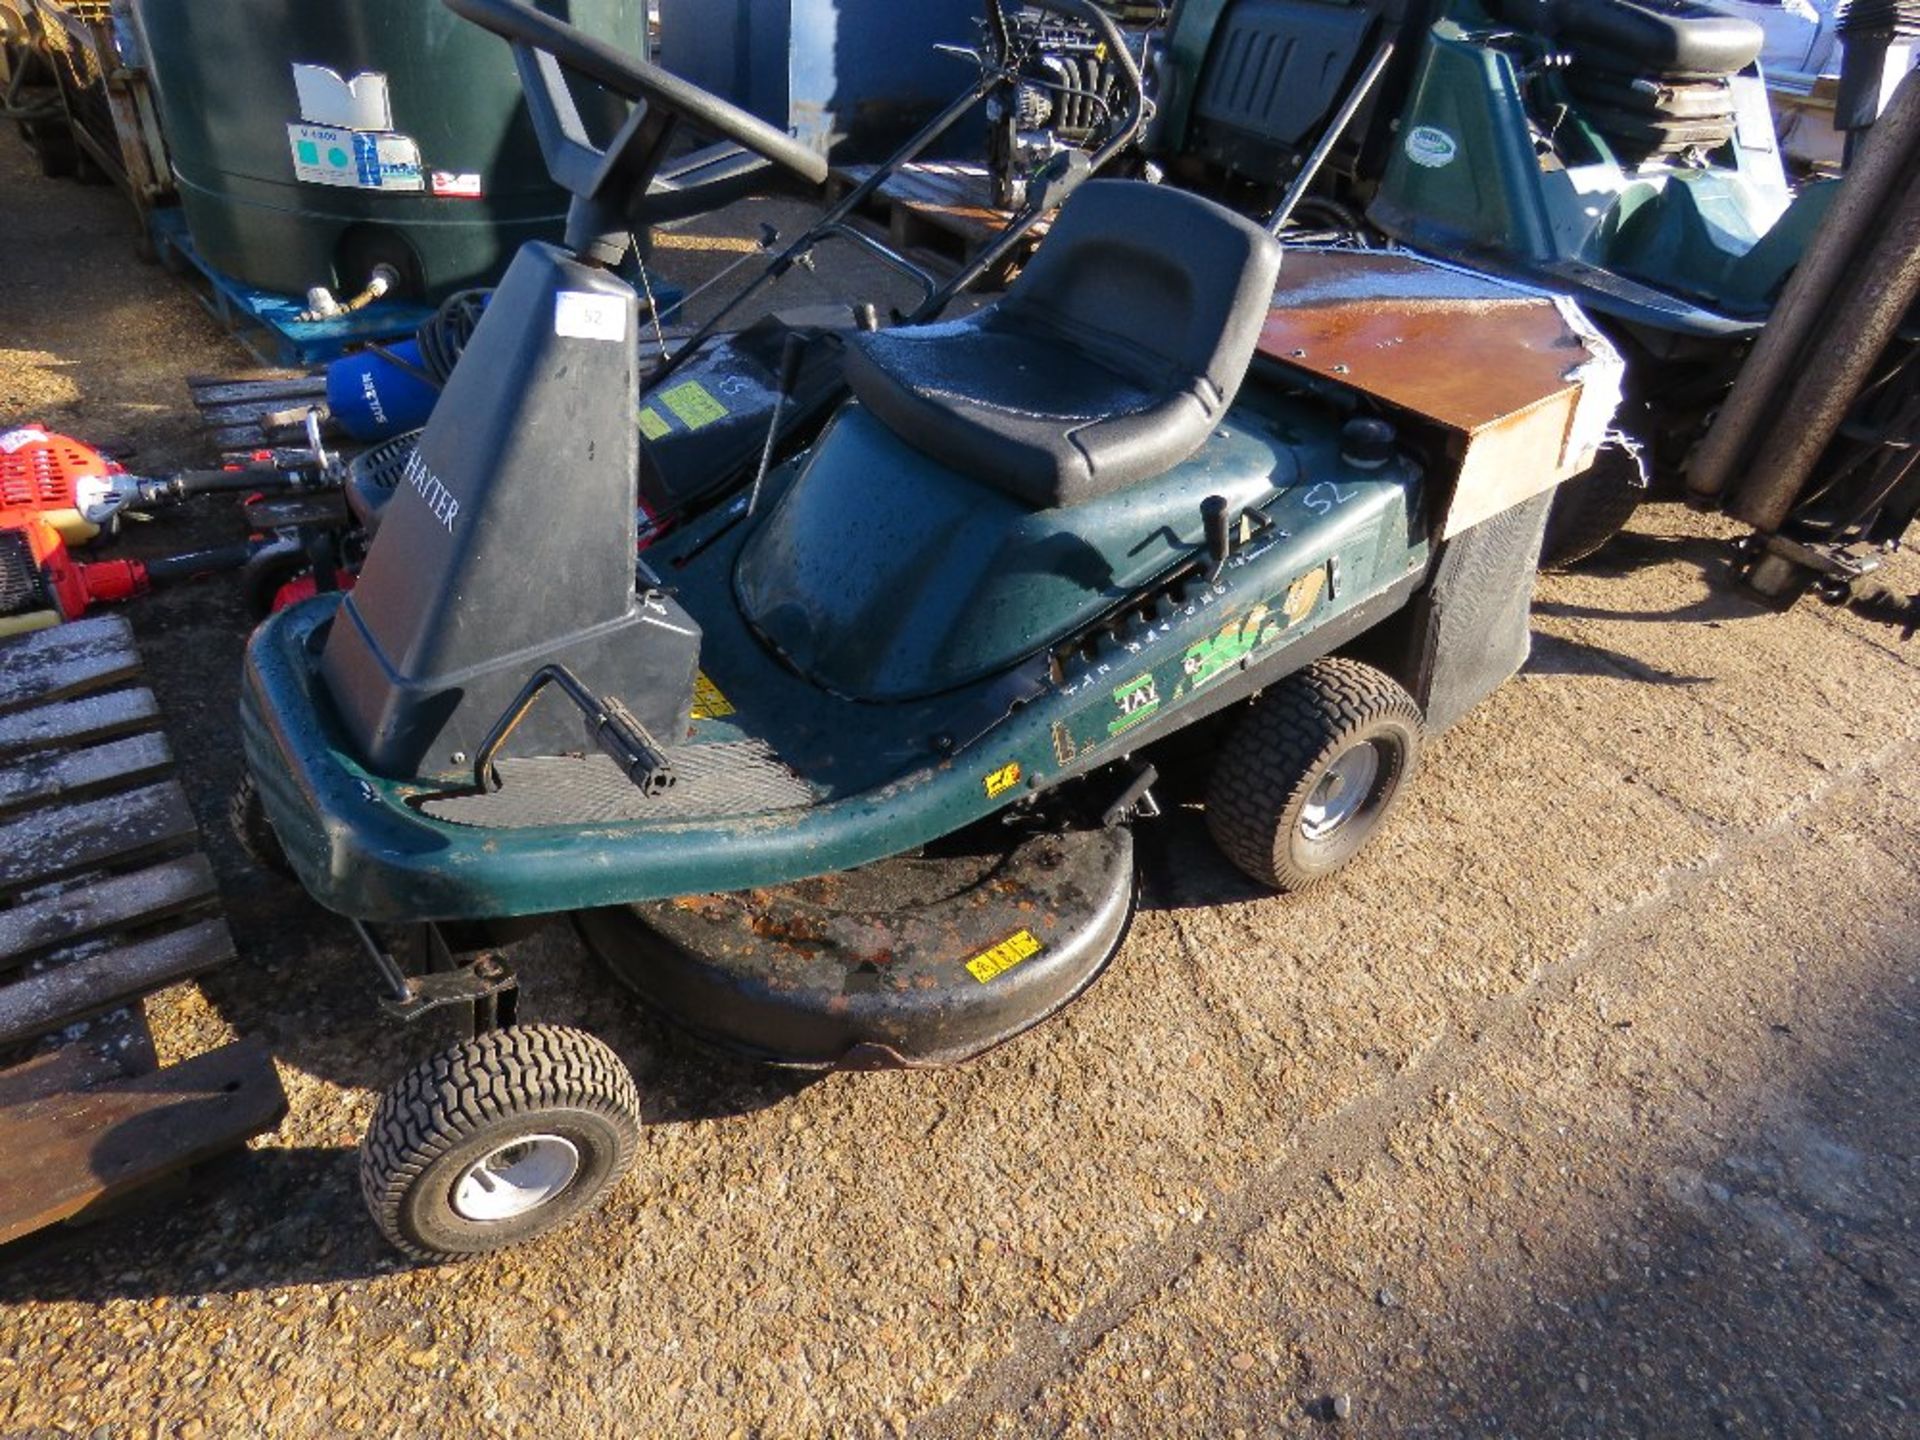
(1297, 191)
(1859, 329)
(1892, 150)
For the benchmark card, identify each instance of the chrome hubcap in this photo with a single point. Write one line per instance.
(516, 1177)
(1342, 791)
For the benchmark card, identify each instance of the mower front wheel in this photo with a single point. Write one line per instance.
(1312, 772)
(498, 1139)
(252, 830)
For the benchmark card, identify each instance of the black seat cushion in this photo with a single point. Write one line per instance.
(1675, 39)
(1109, 361)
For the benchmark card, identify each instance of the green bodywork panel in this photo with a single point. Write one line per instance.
(1702, 250)
(1189, 37)
(886, 777)
(880, 590)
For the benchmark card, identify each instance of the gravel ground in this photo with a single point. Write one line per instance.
(1584, 1106)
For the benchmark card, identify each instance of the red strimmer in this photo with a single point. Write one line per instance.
(56, 491)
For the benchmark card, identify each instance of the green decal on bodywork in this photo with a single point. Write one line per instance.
(1136, 700)
(1227, 647)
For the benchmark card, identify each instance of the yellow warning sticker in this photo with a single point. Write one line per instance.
(708, 702)
(651, 425)
(998, 959)
(693, 404)
(1003, 779)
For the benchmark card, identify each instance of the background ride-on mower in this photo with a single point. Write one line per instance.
(1619, 151)
(841, 772)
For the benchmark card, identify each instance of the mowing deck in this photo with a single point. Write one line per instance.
(105, 898)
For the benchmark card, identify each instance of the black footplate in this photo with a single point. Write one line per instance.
(715, 782)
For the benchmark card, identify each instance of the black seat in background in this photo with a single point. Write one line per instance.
(1109, 360)
(1661, 39)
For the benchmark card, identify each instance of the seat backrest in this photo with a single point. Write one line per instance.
(1155, 282)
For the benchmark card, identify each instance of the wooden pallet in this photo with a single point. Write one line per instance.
(255, 410)
(937, 213)
(104, 898)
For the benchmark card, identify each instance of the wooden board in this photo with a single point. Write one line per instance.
(116, 1047)
(47, 845)
(77, 722)
(1525, 389)
(53, 777)
(49, 999)
(104, 898)
(937, 213)
(67, 1152)
(67, 660)
(143, 897)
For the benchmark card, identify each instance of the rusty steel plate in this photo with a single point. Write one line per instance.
(1462, 349)
(1526, 382)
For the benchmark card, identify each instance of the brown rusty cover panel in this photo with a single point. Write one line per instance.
(1457, 348)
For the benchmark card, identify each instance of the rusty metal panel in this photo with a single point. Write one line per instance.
(1521, 377)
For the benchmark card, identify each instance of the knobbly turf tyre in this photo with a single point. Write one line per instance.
(521, 1098)
(247, 818)
(1590, 509)
(1272, 775)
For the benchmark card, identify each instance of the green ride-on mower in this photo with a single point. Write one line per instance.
(840, 772)
(1621, 152)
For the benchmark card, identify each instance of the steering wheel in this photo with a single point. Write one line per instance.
(542, 45)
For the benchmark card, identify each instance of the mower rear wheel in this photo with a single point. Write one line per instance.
(1311, 773)
(498, 1139)
(1590, 509)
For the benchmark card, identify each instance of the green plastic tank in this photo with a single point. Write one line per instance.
(313, 140)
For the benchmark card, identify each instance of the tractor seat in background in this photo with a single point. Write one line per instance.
(1674, 39)
(1650, 75)
(1109, 360)
(1662, 39)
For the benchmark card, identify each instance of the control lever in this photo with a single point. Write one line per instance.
(623, 739)
(1216, 517)
(611, 728)
(791, 354)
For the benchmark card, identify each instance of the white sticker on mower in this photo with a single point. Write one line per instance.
(19, 439)
(1431, 146)
(355, 159)
(583, 315)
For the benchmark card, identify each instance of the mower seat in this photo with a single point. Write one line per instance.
(1661, 39)
(1109, 360)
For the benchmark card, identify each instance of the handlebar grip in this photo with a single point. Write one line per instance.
(625, 741)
